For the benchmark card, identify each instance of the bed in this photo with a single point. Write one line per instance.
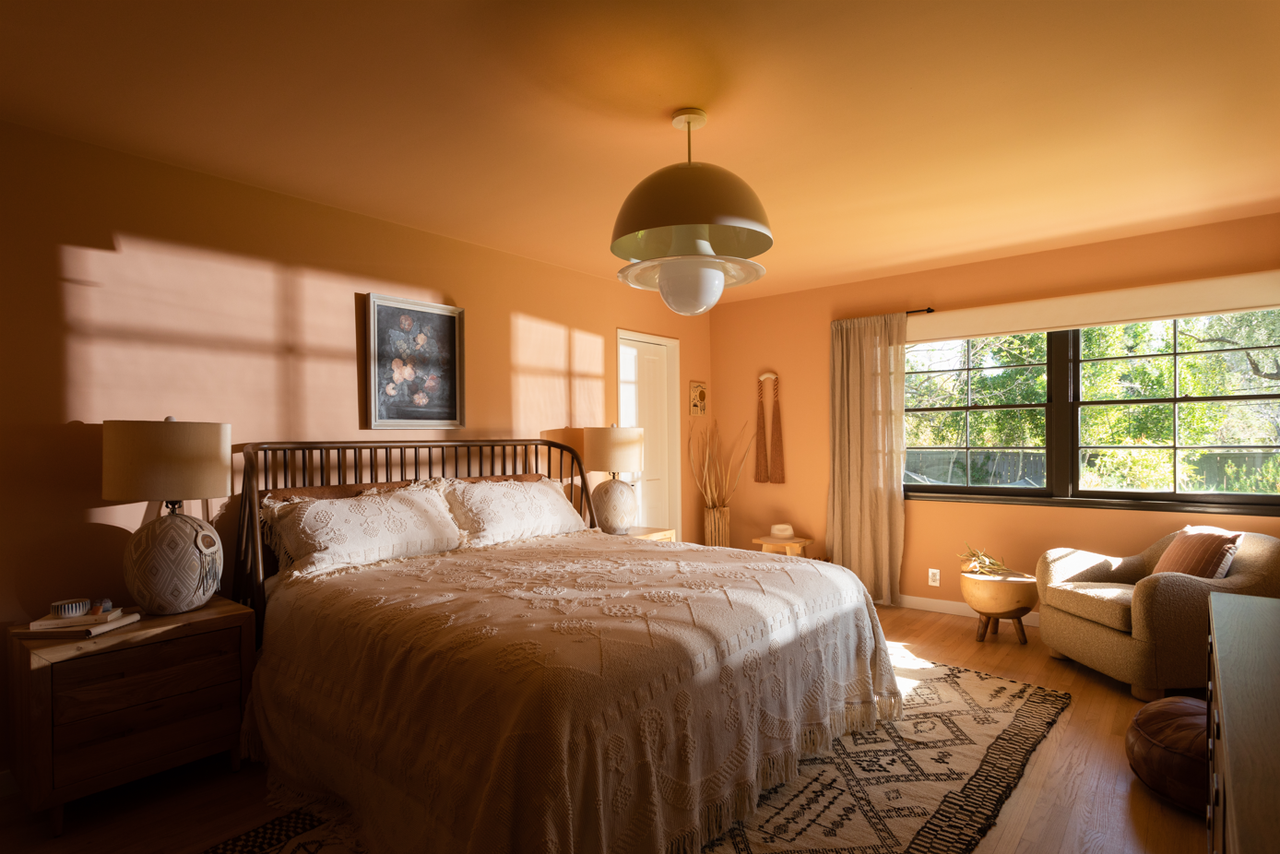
(532, 685)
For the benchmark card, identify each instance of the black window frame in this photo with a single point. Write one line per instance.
(1062, 457)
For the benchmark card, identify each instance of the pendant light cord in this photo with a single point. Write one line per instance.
(688, 135)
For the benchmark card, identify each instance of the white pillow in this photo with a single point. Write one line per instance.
(495, 512)
(373, 526)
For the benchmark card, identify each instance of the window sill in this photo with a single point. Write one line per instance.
(1102, 503)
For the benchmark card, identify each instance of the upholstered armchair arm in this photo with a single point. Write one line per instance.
(1170, 607)
(1058, 565)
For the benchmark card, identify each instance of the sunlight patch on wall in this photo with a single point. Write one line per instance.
(156, 329)
(557, 376)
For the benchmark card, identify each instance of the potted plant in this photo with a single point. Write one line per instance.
(713, 472)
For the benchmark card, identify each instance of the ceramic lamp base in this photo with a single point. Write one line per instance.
(173, 564)
(615, 503)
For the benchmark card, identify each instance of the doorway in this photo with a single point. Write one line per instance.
(649, 397)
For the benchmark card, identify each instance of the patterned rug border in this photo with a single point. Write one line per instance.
(964, 817)
(270, 836)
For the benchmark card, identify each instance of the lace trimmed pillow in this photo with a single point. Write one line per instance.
(492, 513)
(375, 525)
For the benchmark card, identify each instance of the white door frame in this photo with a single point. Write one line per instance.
(674, 399)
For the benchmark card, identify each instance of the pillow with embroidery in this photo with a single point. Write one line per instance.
(492, 513)
(376, 525)
(1200, 550)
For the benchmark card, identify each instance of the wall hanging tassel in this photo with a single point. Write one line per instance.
(776, 474)
(762, 449)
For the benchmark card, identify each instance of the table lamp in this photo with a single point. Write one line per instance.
(173, 563)
(614, 449)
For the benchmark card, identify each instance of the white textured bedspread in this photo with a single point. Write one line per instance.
(579, 693)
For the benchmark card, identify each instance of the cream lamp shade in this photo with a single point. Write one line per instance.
(688, 229)
(571, 436)
(172, 564)
(165, 460)
(614, 449)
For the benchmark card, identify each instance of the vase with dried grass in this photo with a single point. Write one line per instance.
(717, 477)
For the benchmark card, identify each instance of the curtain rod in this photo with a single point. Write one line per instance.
(921, 311)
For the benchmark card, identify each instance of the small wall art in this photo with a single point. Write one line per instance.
(415, 364)
(697, 397)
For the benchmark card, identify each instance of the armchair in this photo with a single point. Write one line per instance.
(1149, 630)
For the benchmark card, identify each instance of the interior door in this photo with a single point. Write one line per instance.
(644, 400)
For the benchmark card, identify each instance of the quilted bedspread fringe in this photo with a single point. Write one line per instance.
(715, 819)
(784, 766)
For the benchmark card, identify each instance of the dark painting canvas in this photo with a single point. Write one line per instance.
(416, 374)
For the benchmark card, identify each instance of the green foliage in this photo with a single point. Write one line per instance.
(1221, 446)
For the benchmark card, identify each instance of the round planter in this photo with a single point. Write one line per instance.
(1006, 596)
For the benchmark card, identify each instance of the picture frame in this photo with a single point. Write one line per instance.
(697, 397)
(416, 366)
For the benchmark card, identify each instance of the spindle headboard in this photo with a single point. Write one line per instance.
(270, 466)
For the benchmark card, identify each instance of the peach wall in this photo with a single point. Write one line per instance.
(790, 334)
(134, 290)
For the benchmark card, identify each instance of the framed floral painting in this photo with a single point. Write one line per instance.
(415, 364)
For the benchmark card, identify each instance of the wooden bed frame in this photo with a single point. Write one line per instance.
(270, 466)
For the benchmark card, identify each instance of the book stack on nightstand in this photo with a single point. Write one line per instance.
(92, 713)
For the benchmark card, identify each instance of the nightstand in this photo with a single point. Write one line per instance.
(793, 546)
(93, 713)
(665, 534)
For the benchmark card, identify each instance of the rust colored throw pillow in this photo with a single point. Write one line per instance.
(1200, 550)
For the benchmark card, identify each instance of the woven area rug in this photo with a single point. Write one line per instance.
(931, 783)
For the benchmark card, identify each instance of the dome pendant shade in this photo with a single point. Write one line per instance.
(656, 219)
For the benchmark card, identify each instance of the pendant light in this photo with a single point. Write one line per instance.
(689, 229)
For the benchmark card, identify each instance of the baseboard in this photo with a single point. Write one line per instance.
(946, 606)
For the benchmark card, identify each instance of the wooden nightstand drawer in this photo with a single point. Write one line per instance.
(110, 681)
(93, 746)
(91, 713)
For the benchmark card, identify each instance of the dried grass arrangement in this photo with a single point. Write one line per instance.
(714, 472)
(716, 477)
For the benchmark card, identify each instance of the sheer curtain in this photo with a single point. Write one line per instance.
(865, 506)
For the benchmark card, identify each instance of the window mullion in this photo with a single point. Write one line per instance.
(1061, 425)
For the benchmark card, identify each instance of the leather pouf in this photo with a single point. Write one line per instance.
(173, 564)
(1168, 748)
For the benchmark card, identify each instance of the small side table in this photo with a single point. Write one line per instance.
(999, 597)
(793, 546)
(663, 534)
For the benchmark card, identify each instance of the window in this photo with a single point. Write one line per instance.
(1179, 410)
(976, 412)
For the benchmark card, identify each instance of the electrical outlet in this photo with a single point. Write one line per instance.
(935, 578)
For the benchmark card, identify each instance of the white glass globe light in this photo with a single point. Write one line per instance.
(690, 285)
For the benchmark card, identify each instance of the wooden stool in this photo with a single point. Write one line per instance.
(1006, 596)
(793, 546)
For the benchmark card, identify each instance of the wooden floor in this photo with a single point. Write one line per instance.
(1078, 794)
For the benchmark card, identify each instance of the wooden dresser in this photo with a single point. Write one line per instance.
(1244, 724)
(93, 713)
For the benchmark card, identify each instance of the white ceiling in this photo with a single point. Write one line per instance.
(881, 137)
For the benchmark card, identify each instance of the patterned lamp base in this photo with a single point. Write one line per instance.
(615, 503)
(173, 564)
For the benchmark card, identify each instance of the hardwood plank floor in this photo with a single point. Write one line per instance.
(1077, 794)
